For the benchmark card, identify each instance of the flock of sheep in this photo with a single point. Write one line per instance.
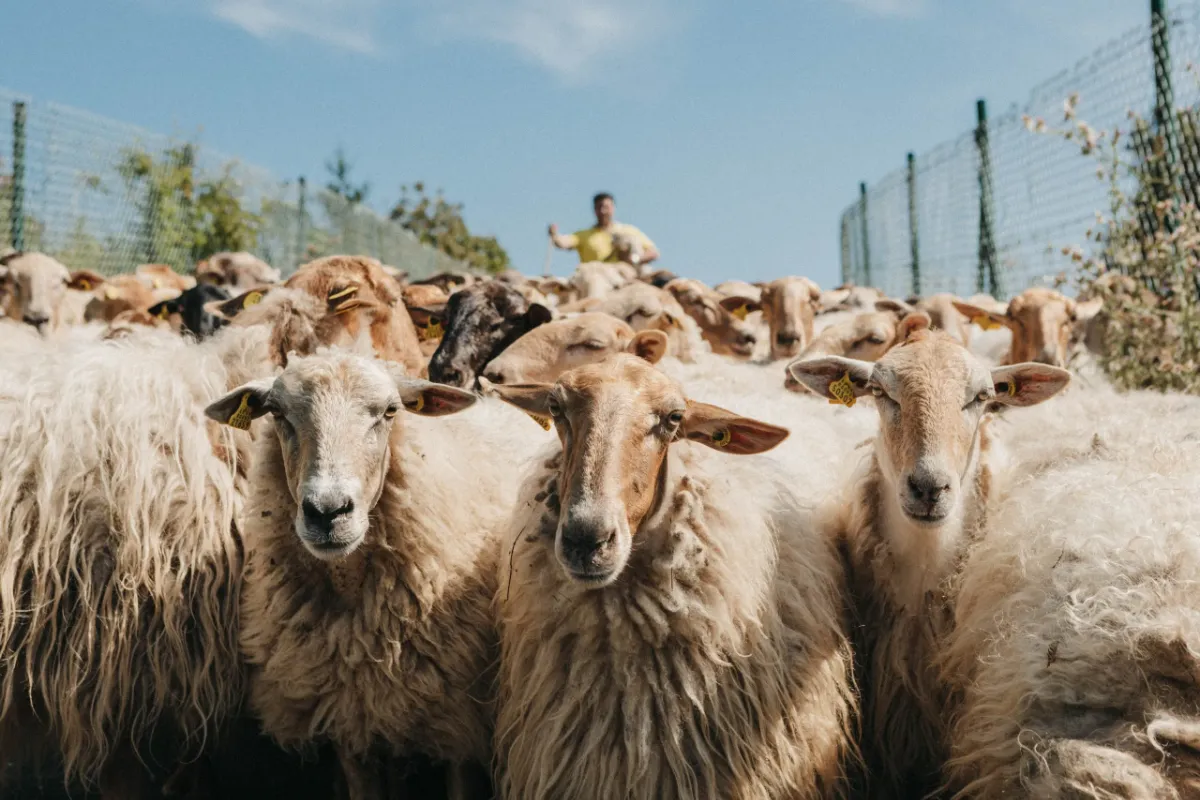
(618, 536)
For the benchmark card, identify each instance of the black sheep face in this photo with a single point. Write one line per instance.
(479, 322)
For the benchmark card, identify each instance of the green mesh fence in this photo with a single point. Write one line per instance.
(1044, 194)
(104, 195)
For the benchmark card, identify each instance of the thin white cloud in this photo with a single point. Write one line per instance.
(890, 8)
(568, 37)
(346, 24)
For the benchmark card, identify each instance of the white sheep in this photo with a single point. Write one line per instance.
(370, 568)
(907, 520)
(709, 660)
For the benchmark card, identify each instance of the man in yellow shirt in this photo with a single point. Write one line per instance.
(596, 244)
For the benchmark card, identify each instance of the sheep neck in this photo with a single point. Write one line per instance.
(923, 557)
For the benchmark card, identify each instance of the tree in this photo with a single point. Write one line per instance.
(440, 224)
(180, 218)
(340, 185)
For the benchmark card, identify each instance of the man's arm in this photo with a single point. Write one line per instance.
(568, 242)
(649, 251)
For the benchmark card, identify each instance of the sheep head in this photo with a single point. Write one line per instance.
(556, 347)
(1041, 321)
(789, 306)
(721, 319)
(931, 394)
(616, 421)
(335, 415)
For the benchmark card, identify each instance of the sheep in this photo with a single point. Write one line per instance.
(739, 289)
(1076, 645)
(708, 661)
(551, 349)
(865, 337)
(121, 293)
(366, 597)
(188, 313)
(598, 278)
(1041, 321)
(849, 297)
(789, 306)
(426, 306)
(907, 520)
(448, 282)
(161, 276)
(119, 560)
(646, 307)
(721, 319)
(479, 322)
(34, 287)
(236, 271)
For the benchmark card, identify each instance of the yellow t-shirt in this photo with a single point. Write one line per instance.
(595, 244)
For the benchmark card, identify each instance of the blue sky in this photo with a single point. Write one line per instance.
(732, 133)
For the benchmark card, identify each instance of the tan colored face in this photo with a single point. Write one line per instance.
(597, 280)
(549, 350)
(333, 417)
(35, 287)
(616, 421)
(1041, 321)
(721, 320)
(789, 306)
(931, 394)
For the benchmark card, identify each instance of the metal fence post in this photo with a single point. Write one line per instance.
(866, 242)
(301, 224)
(912, 224)
(845, 226)
(1164, 101)
(17, 208)
(987, 243)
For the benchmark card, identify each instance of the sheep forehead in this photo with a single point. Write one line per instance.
(621, 379)
(38, 267)
(321, 381)
(931, 364)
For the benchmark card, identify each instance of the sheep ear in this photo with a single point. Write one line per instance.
(982, 317)
(244, 404)
(432, 399)
(532, 398)
(910, 324)
(842, 380)
(740, 306)
(1085, 310)
(895, 306)
(426, 316)
(728, 432)
(537, 315)
(228, 309)
(1028, 384)
(649, 345)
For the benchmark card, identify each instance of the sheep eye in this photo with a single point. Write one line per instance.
(675, 417)
(875, 339)
(553, 407)
(390, 411)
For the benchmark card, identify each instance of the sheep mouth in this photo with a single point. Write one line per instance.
(933, 517)
(328, 550)
(594, 578)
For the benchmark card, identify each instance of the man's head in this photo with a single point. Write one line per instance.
(604, 207)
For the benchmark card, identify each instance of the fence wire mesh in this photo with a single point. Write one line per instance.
(105, 195)
(1045, 194)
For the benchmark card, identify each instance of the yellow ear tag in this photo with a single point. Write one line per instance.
(240, 419)
(349, 290)
(417, 406)
(740, 312)
(843, 392)
(430, 331)
(157, 283)
(252, 299)
(163, 313)
(85, 285)
(986, 323)
(543, 421)
(722, 438)
(1012, 388)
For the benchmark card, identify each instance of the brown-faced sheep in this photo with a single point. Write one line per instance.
(709, 660)
(646, 307)
(789, 306)
(1041, 321)
(907, 521)
(366, 607)
(722, 320)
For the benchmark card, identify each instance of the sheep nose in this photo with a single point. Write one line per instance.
(451, 376)
(321, 514)
(584, 540)
(747, 338)
(928, 488)
(785, 339)
(36, 318)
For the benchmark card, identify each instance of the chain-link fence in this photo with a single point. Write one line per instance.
(103, 195)
(992, 209)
